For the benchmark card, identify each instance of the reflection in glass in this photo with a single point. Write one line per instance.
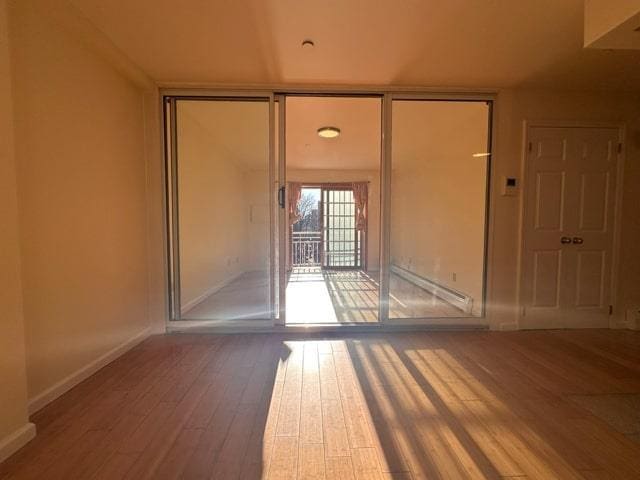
(223, 209)
(438, 206)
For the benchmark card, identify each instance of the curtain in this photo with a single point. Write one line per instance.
(294, 194)
(360, 197)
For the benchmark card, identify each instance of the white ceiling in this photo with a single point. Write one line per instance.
(356, 148)
(239, 131)
(440, 43)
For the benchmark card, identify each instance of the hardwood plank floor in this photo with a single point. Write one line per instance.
(521, 405)
(316, 296)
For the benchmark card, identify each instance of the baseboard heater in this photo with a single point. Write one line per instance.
(455, 298)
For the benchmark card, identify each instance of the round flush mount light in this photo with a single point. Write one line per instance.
(328, 132)
(308, 44)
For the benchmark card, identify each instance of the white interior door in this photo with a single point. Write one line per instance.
(569, 226)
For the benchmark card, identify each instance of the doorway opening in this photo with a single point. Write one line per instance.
(326, 234)
(333, 212)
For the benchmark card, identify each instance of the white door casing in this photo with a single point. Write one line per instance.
(570, 205)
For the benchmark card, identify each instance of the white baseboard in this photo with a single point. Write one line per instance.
(16, 440)
(207, 293)
(455, 298)
(507, 327)
(67, 383)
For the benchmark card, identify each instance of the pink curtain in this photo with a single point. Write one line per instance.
(360, 197)
(294, 194)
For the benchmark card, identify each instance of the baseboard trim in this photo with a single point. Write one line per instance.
(265, 326)
(16, 440)
(207, 293)
(67, 383)
(508, 327)
(453, 297)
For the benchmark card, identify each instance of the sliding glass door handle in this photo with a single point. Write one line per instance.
(281, 193)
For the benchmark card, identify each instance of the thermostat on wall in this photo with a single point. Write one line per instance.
(510, 186)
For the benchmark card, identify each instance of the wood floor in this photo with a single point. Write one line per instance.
(364, 407)
(316, 296)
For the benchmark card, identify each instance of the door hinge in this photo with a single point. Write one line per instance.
(523, 311)
(530, 146)
(610, 309)
(620, 148)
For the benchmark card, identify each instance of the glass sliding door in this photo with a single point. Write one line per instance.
(439, 178)
(282, 210)
(332, 146)
(222, 209)
(340, 238)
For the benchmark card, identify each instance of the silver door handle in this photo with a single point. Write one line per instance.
(578, 240)
(565, 240)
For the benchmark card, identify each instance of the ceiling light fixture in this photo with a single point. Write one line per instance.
(328, 132)
(478, 155)
(308, 44)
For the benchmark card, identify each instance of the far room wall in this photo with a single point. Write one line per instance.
(212, 213)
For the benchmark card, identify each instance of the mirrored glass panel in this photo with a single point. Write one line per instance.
(440, 158)
(222, 168)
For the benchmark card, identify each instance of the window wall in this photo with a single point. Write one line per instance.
(223, 181)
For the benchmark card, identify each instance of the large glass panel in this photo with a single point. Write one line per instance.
(333, 217)
(440, 158)
(223, 209)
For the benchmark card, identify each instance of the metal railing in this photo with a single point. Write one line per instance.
(306, 248)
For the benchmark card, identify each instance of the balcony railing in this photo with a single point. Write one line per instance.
(305, 249)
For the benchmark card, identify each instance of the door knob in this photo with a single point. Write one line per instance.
(578, 240)
(565, 240)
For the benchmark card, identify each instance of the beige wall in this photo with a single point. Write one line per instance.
(13, 379)
(373, 177)
(603, 16)
(438, 193)
(81, 188)
(214, 213)
(256, 185)
(515, 106)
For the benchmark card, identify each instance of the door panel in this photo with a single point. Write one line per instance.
(546, 278)
(594, 196)
(597, 169)
(340, 238)
(568, 227)
(544, 258)
(549, 199)
(590, 279)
